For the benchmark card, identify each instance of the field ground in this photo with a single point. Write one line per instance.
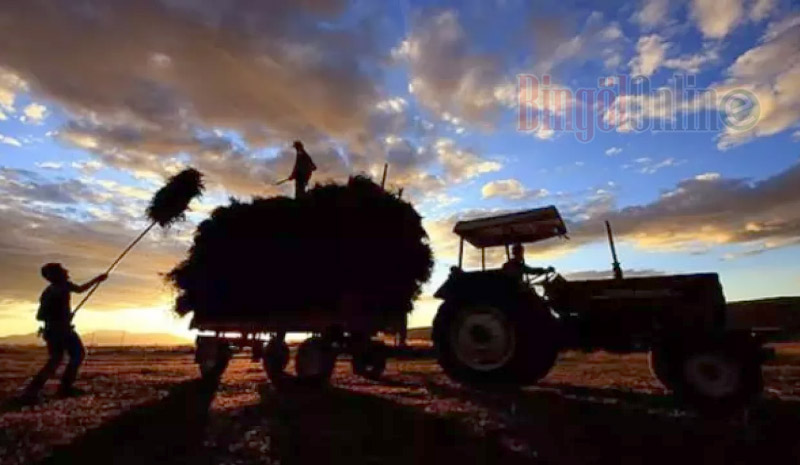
(147, 406)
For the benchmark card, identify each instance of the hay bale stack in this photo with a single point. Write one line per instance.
(341, 243)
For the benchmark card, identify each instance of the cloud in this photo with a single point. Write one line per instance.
(30, 238)
(392, 105)
(716, 18)
(437, 201)
(768, 75)
(511, 189)
(657, 109)
(759, 97)
(30, 187)
(452, 74)
(761, 9)
(87, 167)
(650, 54)
(447, 74)
(462, 164)
(83, 225)
(652, 13)
(708, 177)
(555, 45)
(705, 211)
(10, 85)
(152, 75)
(693, 63)
(228, 65)
(611, 151)
(647, 166)
(696, 215)
(50, 165)
(35, 112)
(8, 140)
(146, 153)
(544, 132)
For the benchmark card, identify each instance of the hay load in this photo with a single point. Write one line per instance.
(352, 245)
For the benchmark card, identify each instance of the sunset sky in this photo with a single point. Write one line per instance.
(101, 100)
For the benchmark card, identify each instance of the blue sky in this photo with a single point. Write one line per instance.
(134, 92)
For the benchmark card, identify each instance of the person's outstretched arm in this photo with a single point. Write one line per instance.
(85, 287)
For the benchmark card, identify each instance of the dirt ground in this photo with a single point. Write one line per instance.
(147, 406)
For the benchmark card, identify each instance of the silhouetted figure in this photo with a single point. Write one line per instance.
(56, 313)
(303, 168)
(516, 266)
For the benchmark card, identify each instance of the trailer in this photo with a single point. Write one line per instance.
(347, 330)
(496, 327)
(342, 264)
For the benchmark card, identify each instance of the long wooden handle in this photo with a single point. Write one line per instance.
(114, 265)
(615, 264)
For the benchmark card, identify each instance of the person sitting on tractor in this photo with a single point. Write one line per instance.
(516, 267)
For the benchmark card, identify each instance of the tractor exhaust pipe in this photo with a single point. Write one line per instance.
(615, 264)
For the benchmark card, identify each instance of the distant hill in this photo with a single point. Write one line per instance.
(776, 312)
(106, 338)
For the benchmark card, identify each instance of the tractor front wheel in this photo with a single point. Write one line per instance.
(718, 378)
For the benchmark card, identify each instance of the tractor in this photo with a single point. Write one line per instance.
(500, 328)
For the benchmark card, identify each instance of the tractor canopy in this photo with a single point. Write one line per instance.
(523, 227)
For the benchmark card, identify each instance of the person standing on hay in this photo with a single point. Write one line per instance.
(303, 168)
(56, 313)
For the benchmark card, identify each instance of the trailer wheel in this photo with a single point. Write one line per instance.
(665, 366)
(494, 343)
(315, 361)
(370, 361)
(275, 359)
(212, 356)
(719, 379)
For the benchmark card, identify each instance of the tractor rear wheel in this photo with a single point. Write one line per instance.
(315, 361)
(275, 359)
(495, 343)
